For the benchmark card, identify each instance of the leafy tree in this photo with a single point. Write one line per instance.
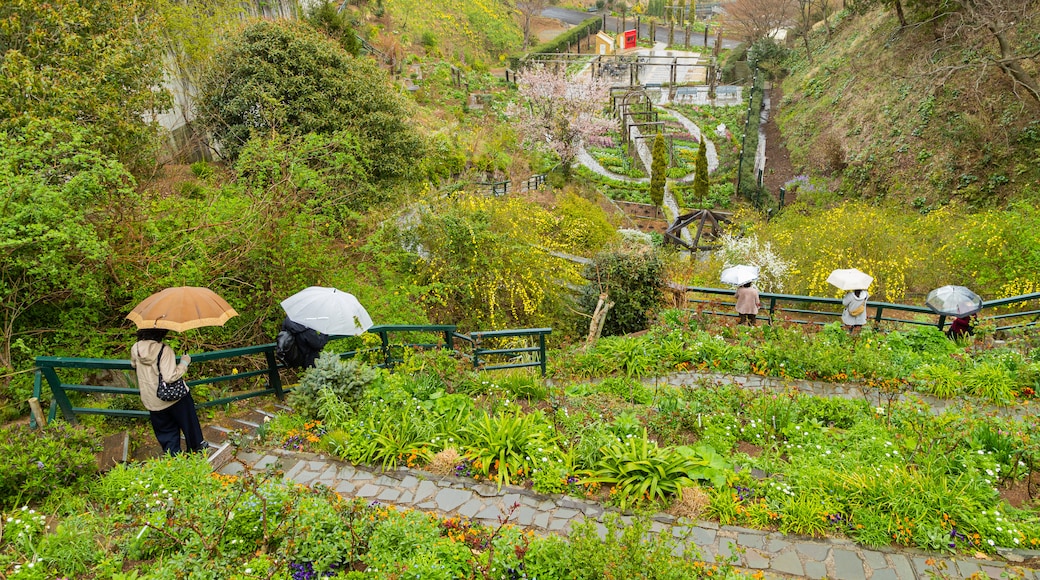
(63, 199)
(327, 18)
(560, 113)
(700, 177)
(190, 33)
(633, 278)
(768, 55)
(323, 172)
(288, 78)
(658, 170)
(96, 62)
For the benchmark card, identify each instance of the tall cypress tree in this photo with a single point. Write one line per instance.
(700, 178)
(658, 169)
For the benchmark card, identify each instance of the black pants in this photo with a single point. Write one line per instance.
(169, 423)
(748, 319)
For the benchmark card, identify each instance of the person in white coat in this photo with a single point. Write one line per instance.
(854, 316)
(169, 418)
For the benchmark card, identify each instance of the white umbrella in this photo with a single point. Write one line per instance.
(739, 275)
(850, 279)
(327, 310)
(954, 301)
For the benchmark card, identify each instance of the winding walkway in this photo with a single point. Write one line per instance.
(774, 554)
(586, 159)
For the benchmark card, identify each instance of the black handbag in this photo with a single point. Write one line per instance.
(169, 392)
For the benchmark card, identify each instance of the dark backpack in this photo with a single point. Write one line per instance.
(287, 350)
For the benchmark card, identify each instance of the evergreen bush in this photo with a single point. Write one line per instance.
(658, 170)
(347, 380)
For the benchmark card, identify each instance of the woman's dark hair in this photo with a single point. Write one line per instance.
(156, 334)
(746, 285)
(857, 292)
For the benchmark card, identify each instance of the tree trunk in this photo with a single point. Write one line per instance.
(899, 13)
(599, 317)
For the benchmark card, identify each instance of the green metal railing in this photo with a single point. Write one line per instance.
(776, 304)
(492, 351)
(390, 353)
(47, 369)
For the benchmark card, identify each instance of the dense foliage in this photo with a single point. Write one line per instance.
(633, 279)
(284, 77)
(172, 516)
(64, 203)
(96, 63)
(483, 261)
(39, 462)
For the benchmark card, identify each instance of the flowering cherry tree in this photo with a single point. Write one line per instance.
(560, 112)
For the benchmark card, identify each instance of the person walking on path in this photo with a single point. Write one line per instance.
(747, 304)
(150, 355)
(854, 316)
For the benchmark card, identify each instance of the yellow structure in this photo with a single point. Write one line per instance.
(605, 43)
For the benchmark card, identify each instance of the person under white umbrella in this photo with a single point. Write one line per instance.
(315, 314)
(748, 303)
(855, 283)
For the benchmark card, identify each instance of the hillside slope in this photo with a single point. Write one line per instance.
(904, 114)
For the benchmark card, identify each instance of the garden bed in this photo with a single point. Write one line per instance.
(825, 465)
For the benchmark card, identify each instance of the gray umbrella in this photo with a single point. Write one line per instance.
(954, 301)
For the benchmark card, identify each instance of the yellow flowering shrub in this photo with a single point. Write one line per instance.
(489, 262)
(994, 252)
(852, 235)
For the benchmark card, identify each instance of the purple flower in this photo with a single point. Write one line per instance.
(40, 465)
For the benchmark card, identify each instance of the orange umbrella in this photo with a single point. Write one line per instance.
(182, 308)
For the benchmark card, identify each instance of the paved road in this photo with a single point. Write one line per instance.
(574, 17)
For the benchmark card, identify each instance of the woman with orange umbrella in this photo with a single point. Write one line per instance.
(179, 309)
(152, 359)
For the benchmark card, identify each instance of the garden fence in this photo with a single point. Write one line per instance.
(488, 350)
(1007, 313)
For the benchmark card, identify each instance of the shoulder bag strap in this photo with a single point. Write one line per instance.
(158, 361)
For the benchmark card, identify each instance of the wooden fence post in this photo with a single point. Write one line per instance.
(37, 412)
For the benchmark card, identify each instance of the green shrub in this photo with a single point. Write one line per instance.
(631, 390)
(990, 381)
(641, 471)
(506, 446)
(346, 380)
(37, 462)
(938, 379)
(633, 279)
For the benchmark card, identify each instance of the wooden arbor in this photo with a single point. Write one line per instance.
(708, 228)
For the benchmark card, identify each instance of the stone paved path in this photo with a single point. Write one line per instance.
(776, 555)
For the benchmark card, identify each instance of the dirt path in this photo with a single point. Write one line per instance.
(778, 168)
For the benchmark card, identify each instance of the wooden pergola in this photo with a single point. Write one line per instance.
(708, 228)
